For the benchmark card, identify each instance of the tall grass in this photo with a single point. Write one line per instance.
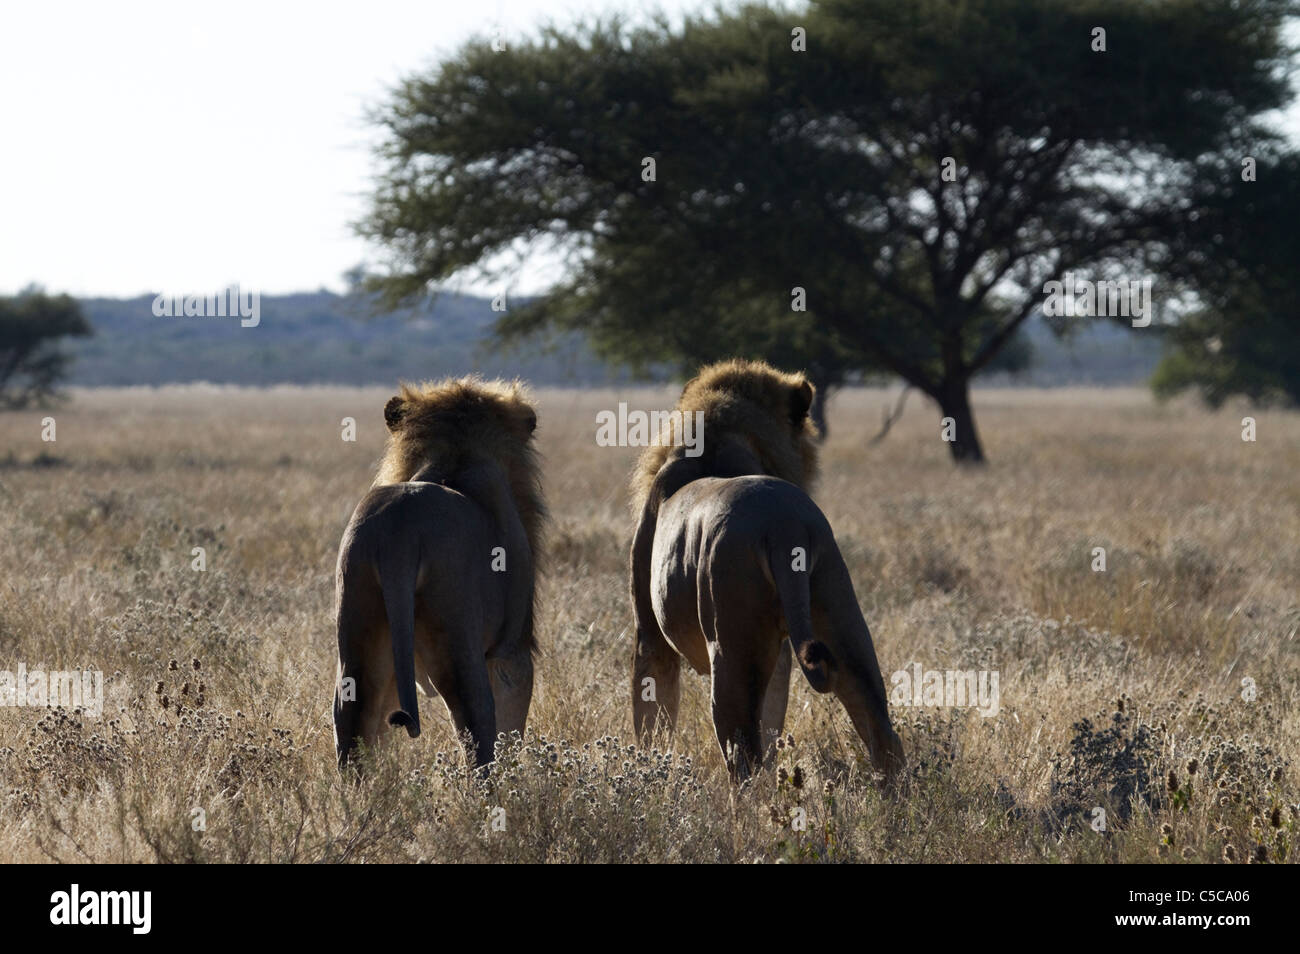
(1121, 690)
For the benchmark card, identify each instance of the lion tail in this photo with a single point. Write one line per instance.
(793, 591)
(399, 602)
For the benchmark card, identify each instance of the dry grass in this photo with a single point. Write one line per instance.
(1109, 681)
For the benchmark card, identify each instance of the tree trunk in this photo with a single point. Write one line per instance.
(822, 383)
(954, 402)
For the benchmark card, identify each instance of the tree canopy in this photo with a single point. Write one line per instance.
(31, 363)
(912, 174)
(1243, 257)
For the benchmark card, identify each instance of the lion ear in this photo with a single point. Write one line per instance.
(522, 415)
(801, 398)
(394, 411)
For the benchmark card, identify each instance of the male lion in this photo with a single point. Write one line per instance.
(731, 557)
(436, 568)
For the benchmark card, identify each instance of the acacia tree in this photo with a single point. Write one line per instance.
(917, 170)
(31, 362)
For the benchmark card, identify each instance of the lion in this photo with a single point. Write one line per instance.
(436, 569)
(731, 558)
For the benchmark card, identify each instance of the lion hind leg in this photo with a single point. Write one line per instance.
(345, 715)
(512, 689)
(738, 687)
(775, 700)
(656, 685)
(359, 686)
(858, 682)
(869, 713)
(347, 707)
(656, 667)
(378, 689)
(461, 678)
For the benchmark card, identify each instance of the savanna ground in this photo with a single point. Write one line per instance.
(1111, 682)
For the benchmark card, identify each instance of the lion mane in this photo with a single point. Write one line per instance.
(444, 424)
(747, 401)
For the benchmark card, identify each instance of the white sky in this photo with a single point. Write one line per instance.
(166, 147)
(161, 147)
